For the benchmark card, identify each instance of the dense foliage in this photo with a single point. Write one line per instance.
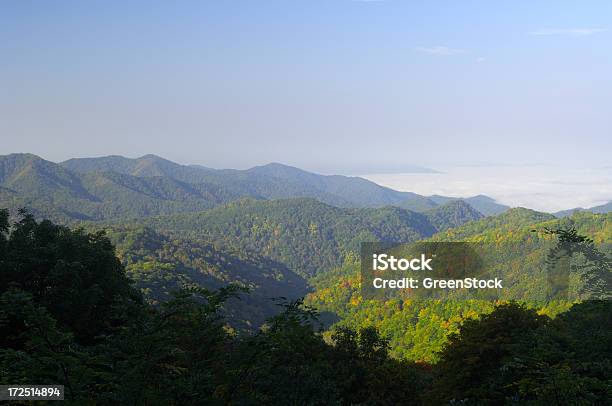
(160, 264)
(74, 275)
(175, 353)
(308, 236)
(518, 243)
(180, 352)
(514, 355)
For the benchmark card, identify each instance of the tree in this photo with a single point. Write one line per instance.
(74, 275)
(471, 364)
(286, 363)
(575, 253)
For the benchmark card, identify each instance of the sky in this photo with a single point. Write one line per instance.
(335, 86)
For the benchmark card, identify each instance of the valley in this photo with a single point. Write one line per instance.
(276, 250)
(276, 231)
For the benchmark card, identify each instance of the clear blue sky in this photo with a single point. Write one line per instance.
(329, 84)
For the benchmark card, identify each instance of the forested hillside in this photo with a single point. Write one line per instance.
(95, 189)
(183, 234)
(277, 181)
(73, 318)
(160, 265)
(50, 190)
(272, 181)
(308, 236)
(419, 329)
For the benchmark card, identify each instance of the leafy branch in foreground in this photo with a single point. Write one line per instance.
(577, 254)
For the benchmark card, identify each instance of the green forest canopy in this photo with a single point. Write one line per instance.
(180, 352)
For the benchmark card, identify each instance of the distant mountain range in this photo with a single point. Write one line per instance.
(604, 208)
(112, 187)
(274, 228)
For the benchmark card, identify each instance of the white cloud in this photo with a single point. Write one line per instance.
(574, 32)
(545, 188)
(481, 59)
(443, 51)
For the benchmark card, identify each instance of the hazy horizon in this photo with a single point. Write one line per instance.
(314, 83)
(331, 86)
(548, 188)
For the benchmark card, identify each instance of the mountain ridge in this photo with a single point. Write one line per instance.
(307, 235)
(602, 208)
(115, 186)
(387, 196)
